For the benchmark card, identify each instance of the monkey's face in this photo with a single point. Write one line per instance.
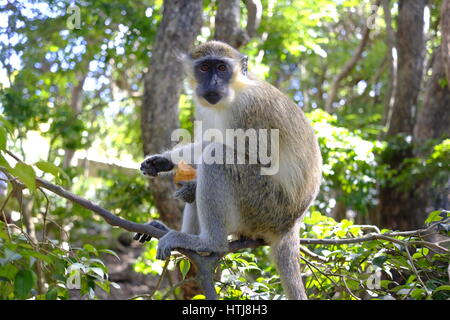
(213, 76)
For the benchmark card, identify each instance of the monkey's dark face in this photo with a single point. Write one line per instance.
(213, 76)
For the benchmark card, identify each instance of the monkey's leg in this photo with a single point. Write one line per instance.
(190, 224)
(215, 201)
(190, 219)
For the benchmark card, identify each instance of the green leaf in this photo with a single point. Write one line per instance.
(48, 167)
(433, 216)
(110, 252)
(378, 261)
(6, 124)
(38, 255)
(418, 293)
(185, 265)
(3, 162)
(90, 248)
(98, 271)
(54, 170)
(443, 288)
(51, 294)
(3, 134)
(115, 285)
(104, 286)
(23, 283)
(26, 174)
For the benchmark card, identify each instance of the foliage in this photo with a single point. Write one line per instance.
(44, 269)
(350, 165)
(435, 167)
(376, 269)
(25, 264)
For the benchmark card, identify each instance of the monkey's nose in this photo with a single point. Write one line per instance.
(212, 97)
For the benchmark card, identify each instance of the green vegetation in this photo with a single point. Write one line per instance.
(70, 105)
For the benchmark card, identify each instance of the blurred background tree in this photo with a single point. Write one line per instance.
(91, 87)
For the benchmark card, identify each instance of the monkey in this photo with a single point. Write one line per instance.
(232, 198)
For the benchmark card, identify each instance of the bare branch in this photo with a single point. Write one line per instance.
(227, 23)
(105, 214)
(254, 14)
(348, 67)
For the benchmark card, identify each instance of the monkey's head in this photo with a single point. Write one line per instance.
(214, 70)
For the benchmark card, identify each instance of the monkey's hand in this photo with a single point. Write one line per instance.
(155, 164)
(142, 237)
(186, 192)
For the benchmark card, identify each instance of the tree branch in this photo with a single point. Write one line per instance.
(350, 63)
(254, 14)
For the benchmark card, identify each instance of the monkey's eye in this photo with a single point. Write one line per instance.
(221, 67)
(204, 67)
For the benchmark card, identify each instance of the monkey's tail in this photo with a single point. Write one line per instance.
(285, 253)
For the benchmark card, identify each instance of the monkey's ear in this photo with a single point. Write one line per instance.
(244, 62)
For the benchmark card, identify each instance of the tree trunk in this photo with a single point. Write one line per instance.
(181, 23)
(76, 106)
(395, 205)
(411, 48)
(432, 123)
(254, 15)
(445, 31)
(228, 19)
(227, 23)
(390, 42)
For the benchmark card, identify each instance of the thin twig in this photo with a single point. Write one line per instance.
(348, 289)
(2, 209)
(176, 285)
(163, 273)
(313, 255)
(47, 204)
(411, 261)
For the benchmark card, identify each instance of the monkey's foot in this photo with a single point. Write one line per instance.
(142, 237)
(186, 192)
(165, 246)
(173, 240)
(155, 164)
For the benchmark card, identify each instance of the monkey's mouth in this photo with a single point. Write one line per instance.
(212, 97)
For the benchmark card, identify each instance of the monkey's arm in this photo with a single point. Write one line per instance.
(190, 153)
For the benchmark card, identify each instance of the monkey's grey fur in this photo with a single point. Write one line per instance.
(235, 199)
(186, 192)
